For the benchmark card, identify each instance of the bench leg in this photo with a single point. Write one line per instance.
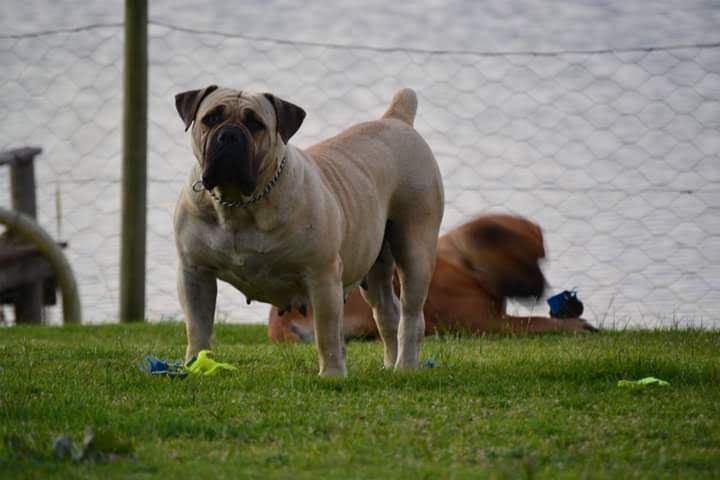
(29, 304)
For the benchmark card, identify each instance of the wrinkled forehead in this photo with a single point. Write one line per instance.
(237, 101)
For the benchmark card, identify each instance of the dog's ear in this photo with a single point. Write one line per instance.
(187, 103)
(289, 116)
(491, 234)
(509, 232)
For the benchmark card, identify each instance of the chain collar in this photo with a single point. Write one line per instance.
(199, 187)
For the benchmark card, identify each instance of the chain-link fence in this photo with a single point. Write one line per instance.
(614, 153)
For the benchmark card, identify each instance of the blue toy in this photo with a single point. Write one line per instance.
(565, 305)
(155, 366)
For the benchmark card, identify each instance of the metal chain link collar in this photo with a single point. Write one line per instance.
(198, 187)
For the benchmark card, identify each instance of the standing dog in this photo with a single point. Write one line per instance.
(480, 264)
(294, 227)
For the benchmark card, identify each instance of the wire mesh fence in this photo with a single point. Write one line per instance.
(614, 153)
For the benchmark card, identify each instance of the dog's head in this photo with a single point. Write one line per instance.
(503, 253)
(236, 135)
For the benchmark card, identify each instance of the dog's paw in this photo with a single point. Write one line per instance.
(582, 325)
(590, 328)
(406, 364)
(338, 371)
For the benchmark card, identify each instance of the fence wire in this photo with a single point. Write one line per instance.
(613, 152)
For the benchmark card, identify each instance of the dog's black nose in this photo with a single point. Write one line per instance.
(227, 136)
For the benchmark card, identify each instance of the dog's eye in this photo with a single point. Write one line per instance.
(253, 124)
(213, 118)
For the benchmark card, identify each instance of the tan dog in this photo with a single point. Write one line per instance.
(480, 264)
(294, 227)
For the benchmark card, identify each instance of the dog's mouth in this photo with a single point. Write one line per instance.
(230, 160)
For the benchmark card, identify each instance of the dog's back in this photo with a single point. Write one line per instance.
(389, 158)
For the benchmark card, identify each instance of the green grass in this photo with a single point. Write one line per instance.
(493, 407)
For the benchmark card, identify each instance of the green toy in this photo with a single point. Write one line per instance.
(204, 364)
(643, 382)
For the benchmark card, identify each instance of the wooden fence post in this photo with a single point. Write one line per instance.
(134, 184)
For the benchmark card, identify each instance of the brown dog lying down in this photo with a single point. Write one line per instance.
(480, 264)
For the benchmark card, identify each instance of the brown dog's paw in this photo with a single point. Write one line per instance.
(576, 325)
(585, 326)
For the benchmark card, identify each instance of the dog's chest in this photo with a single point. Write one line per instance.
(261, 266)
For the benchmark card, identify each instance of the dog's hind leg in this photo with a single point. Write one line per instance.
(413, 246)
(383, 301)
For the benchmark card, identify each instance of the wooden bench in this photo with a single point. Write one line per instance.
(27, 280)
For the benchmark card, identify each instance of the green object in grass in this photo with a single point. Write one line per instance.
(204, 364)
(643, 382)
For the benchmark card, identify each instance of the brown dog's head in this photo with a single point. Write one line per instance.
(502, 252)
(237, 135)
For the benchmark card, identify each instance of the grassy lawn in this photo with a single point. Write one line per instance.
(493, 407)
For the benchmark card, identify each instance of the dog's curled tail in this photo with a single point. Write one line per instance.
(403, 106)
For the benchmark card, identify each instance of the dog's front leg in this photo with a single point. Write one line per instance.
(326, 298)
(197, 290)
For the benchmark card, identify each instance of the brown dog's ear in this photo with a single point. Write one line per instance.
(508, 232)
(289, 116)
(491, 234)
(187, 103)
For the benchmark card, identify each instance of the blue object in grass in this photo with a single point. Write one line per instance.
(565, 304)
(156, 366)
(429, 363)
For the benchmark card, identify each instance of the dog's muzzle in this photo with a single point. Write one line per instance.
(230, 160)
(526, 282)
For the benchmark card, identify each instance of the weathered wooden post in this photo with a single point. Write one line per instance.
(134, 183)
(29, 302)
